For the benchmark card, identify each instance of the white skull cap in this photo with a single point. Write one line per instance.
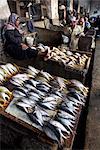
(73, 19)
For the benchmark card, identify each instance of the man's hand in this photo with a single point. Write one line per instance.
(24, 46)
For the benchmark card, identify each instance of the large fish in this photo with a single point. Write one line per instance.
(51, 132)
(58, 125)
(25, 107)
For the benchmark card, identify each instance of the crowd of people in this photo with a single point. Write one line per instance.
(16, 48)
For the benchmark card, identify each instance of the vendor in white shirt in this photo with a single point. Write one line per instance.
(77, 29)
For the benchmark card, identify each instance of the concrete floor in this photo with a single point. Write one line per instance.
(92, 141)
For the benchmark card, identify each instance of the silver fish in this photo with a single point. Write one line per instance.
(33, 69)
(17, 93)
(77, 102)
(34, 82)
(52, 132)
(22, 77)
(5, 70)
(27, 101)
(34, 99)
(26, 107)
(11, 67)
(30, 72)
(29, 86)
(2, 72)
(2, 77)
(61, 83)
(58, 125)
(67, 123)
(39, 115)
(47, 106)
(16, 82)
(46, 75)
(34, 94)
(48, 99)
(66, 115)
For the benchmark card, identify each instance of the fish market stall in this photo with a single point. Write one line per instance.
(65, 63)
(47, 105)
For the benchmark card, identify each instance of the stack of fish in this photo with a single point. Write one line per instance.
(5, 97)
(51, 103)
(7, 71)
(68, 58)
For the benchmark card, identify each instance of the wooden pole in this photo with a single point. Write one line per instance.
(18, 7)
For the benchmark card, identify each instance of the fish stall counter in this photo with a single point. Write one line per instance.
(47, 105)
(64, 63)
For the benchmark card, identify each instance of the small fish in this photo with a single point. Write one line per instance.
(30, 72)
(5, 70)
(47, 106)
(33, 98)
(18, 93)
(12, 69)
(34, 94)
(61, 83)
(17, 82)
(41, 94)
(21, 76)
(76, 101)
(77, 83)
(2, 72)
(66, 115)
(29, 86)
(58, 93)
(31, 82)
(33, 69)
(34, 119)
(2, 78)
(43, 88)
(46, 75)
(26, 101)
(48, 99)
(39, 115)
(56, 97)
(21, 89)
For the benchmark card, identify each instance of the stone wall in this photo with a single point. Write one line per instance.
(4, 9)
(95, 6)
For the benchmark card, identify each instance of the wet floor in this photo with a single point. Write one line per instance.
(92, 141)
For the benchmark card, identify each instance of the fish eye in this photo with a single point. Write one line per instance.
(6, 98)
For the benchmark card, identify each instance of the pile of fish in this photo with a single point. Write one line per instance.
(51, 103)
(7, 71)
(66, 57)
(5, 97)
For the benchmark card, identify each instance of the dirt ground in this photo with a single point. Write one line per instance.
(92, 141)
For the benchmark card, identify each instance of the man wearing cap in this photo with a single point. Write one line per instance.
(75, 34)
